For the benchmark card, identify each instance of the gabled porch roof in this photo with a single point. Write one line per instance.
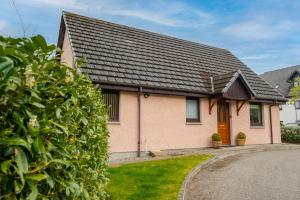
(232, 85)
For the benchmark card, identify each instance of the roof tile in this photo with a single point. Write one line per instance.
(124, 55)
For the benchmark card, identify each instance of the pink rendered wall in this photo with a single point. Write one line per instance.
(123, 134)
(67, 56)
(255, 135)
(276, 124)
(163, 124)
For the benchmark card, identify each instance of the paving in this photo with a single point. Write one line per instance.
(272, 173)
(222, 151)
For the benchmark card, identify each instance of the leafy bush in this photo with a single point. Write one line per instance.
(241, 135)
(53, 142)
(216, 137)
(290, 134)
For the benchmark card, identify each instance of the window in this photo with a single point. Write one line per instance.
(256, 114)
(297, 104)
(111, 100)
(192, 109)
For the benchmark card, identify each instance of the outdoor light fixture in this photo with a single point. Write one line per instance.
(146, 95)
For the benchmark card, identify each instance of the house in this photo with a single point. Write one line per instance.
(168, 93)
(283, 80)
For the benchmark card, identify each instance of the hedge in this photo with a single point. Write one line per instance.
(290, 134)
(53, 133)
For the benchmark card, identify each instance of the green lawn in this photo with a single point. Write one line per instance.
(159, 179)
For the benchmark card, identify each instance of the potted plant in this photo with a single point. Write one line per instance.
(241, 139)
(216, 140)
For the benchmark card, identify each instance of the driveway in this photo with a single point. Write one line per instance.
(255, 176)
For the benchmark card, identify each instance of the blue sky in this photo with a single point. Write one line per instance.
(265, 34)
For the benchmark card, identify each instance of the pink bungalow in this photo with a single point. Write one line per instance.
(166, 93)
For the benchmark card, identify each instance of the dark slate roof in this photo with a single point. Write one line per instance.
(280, 77)
(122, 55)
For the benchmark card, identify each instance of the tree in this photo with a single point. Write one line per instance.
(53, 133)
(295, 90)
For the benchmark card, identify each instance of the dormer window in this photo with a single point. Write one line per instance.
(294, 78)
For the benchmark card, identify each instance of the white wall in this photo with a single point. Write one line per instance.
(289, 115)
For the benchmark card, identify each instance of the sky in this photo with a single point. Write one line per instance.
(264, 34)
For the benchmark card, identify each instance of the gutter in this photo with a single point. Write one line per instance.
(139, 122)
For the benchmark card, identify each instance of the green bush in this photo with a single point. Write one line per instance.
(241, 135)
(53, 142)
(216, 137)
(290, 134)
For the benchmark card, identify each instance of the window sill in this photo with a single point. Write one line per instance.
(114, 122)
(193, 123)
(257, 127)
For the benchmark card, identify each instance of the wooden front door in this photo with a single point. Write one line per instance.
(223, 122)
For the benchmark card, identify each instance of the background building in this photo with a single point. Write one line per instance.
(283, 80)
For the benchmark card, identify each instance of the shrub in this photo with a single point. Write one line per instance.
(241, 135)
(290, 134)
(216, 137)
(53, 134)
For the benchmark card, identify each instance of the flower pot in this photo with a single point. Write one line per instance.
(216, 144)
(240, 142)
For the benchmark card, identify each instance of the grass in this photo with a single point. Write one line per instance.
(159, 179)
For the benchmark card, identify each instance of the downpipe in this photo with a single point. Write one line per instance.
(139, 122)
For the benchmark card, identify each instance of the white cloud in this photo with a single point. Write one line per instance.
(5, 29)
(144, 15)
(3, 25)
(165, 13)
(168, 13)
(257, 30)
(75, 4)
(257, 57)
(294, 50)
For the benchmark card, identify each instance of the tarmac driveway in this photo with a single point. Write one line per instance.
(256, 176)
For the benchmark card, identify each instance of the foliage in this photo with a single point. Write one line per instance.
(53, 142)
(290, 134)
(216, 137)
(159, 179)
(295, 91)
(241, 135)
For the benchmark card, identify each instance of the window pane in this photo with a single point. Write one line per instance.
(111, 100)
(192, 109)
(221, 114)
(255, 114)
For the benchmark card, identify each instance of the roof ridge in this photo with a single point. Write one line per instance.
(280, 69)
(145, 31)
(153, 60)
